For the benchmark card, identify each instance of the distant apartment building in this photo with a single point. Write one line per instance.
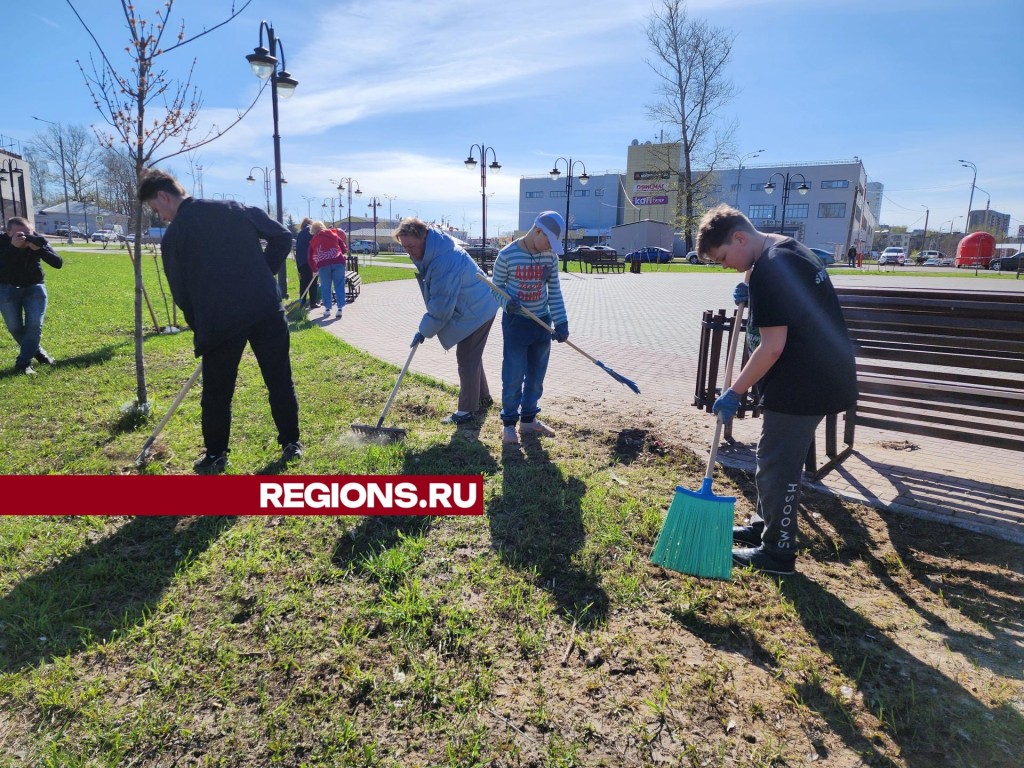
(874, 197)
(989, 221)
(591, 211)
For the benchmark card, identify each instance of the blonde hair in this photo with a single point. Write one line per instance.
(412, 227)
(317, 226)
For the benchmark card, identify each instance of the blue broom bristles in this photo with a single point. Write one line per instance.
(696, 537)
(618, 377)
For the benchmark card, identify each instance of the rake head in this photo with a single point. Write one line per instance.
(379, 434)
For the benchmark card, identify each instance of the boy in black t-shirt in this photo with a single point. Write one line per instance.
(805, 359)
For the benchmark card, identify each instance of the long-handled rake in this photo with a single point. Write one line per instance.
(141, 458)
(607, 369)
(696, 537)
(378, 432)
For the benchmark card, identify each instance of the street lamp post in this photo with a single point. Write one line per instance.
(374, 203)
(570, 166)
(8, 168)
(64, 173)
(309, 200)
(988, 206)
(390, 198)
(973, 167)
(924, 240)
(264, 64)
(769, 187)
(328, 201)
(470, 163)
(739, 170)
(346, 183)
(266, 183)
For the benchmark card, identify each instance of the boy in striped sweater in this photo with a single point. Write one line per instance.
(527, 269)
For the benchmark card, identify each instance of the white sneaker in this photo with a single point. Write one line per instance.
(327, 312)
(337, 315)
(509, 436)
(536, 427)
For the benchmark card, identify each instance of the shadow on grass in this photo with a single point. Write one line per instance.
(101, 590)
(932, 718)
(84, 360)
(537, 526)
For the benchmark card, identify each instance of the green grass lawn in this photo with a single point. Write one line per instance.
(537, 635)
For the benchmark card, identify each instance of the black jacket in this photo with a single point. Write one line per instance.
(219, 274)
(20, 266)
(302, 241)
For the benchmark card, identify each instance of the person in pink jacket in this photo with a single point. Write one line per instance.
(327, 252)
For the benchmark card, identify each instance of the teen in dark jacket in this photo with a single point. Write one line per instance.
(225, 284)
(306, 277)
(23, 295)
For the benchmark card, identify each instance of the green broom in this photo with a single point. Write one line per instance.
(696, 537)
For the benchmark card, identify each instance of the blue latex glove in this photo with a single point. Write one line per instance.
(726, 405)
(561, 332)
(741, 295)
(514, 306)
(419, 338)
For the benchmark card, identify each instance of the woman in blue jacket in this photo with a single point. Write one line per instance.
(460, 308)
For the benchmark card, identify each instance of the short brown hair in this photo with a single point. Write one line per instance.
(717, 227)
(411, 226)
(15, 220)
(154, 181)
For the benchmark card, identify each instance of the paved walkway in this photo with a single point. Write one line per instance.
(647, 327)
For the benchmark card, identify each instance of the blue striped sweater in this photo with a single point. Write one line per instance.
(532, 278)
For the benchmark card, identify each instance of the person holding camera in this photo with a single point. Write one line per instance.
(22, 292)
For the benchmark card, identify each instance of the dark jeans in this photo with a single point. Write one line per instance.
(525, 352)
(781, 451)
(308, 279)
(23, 310)
(270, 342)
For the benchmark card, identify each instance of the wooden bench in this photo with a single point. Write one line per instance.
(602, 261)
(930, 362)
(353, 282)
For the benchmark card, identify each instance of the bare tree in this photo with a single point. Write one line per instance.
(123, 101)
(81, 155)
(690, 59)
(42, 176)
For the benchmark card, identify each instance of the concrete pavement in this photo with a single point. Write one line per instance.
(647, 327)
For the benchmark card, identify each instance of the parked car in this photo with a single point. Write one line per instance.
(604, 248)
(364, 246)
(103, 236)
(651, 254)
(1006, 263)
(933, 261)
(75, 232)
(923, 256)
(827, 257)
(892, 255)
(693, 258)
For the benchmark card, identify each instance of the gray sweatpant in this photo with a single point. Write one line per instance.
(781, 451)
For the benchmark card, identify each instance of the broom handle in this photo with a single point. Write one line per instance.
(398, 383)
(529, 314)
(730, 357)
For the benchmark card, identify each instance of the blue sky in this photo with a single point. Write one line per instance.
(393, 93)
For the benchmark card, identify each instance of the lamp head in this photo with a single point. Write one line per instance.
(495, 166)
(584, 178)
(250, 179)
(262, 62)
(470, 163)
(554, 173)
(769, 187)
(802, 189)
(286, 84)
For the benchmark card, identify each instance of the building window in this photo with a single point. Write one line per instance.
(758, 187)
(581, 193)
(534, 194)
(761, 212)
(557, 194)
(842, 184)
(797, 211)
(598, 193)
(734, 187)
(831, 210)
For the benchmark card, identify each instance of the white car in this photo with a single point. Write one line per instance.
(892, 255)
(102, 236)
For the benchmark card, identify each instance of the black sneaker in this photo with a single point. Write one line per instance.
(766, 562)
(42, 356)
(291, 451)
(26, 369)
(457, 418)
(211, 464)
(748, 534)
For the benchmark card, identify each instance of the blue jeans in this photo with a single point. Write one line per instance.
(525, 352)
(332, 275)
(23, 310)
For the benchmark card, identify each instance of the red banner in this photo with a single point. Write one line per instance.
(241, 495)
